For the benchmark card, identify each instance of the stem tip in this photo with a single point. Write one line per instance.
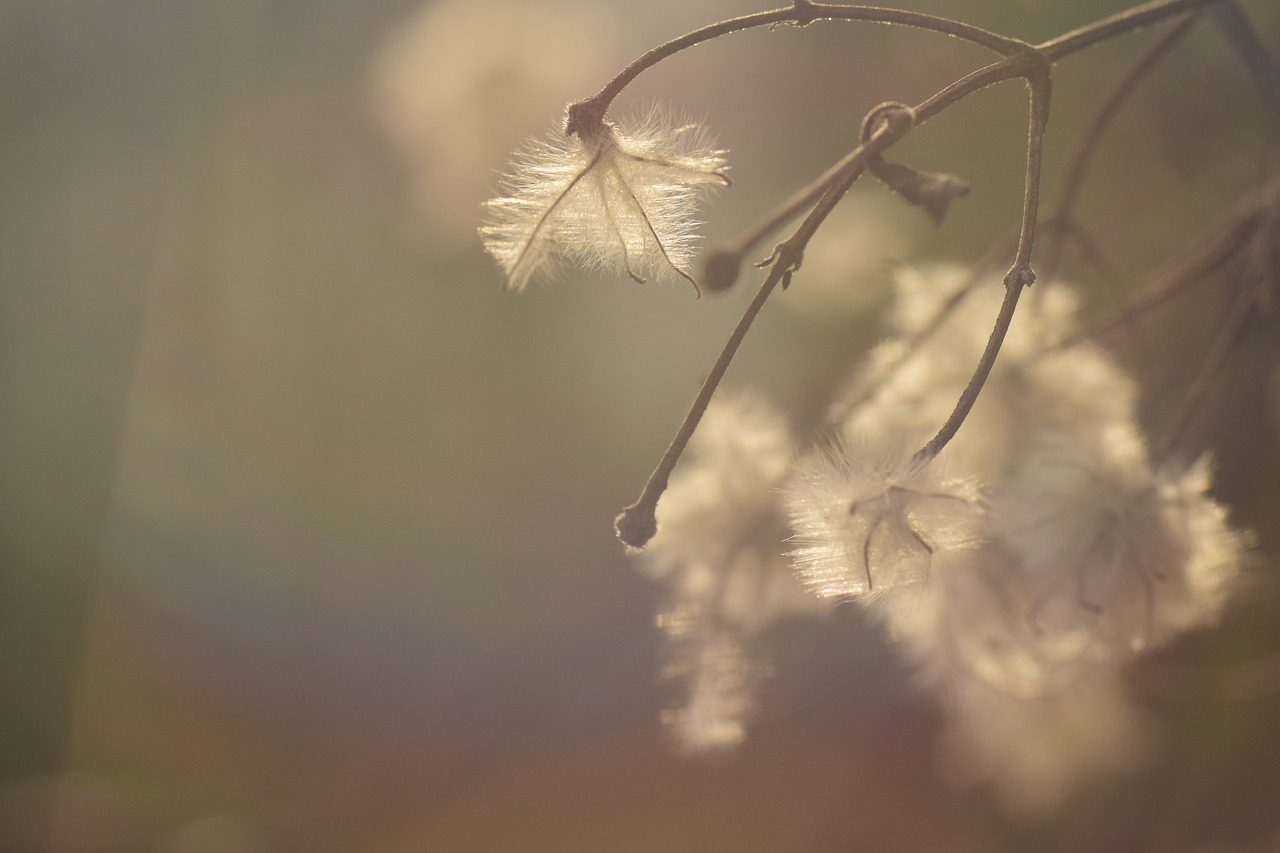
(636, 525)
(720, 269)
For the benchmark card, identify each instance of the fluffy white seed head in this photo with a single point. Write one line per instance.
(1118, 557)
(621, 200)
(868, 519)
(971, 627)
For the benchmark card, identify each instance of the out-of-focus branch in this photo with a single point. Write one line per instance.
(1235, 25)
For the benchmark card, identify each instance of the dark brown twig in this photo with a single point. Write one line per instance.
(801, 13)
(1019, 276)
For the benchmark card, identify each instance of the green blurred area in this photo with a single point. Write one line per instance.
(305, 527)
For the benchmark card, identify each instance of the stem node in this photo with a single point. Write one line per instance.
(805, 12)
(1020, 275)
(585, 118)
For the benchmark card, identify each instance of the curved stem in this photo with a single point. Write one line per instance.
(636, 524)
(1019, 275)
(801, 12)
(1018, 65)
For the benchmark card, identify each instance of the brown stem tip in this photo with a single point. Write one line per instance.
(720, 269)
(636, 525)
(584, 119)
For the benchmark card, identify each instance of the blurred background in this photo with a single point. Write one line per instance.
(305, 527)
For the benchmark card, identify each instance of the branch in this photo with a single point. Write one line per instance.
(637, 523)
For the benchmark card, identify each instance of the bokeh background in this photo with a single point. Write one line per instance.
(306, 526)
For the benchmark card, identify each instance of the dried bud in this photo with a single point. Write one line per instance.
(933, 191)
(720, 269)
(605, 198)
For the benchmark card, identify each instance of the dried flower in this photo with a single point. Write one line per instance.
(869, 519)
(969, 626)
(605, 198)
(1121, 557)
(1087, 555)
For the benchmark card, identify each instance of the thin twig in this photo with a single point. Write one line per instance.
(731, 254)
(800, 12)
(1019, 276)
(589, 113)
(637, 523)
